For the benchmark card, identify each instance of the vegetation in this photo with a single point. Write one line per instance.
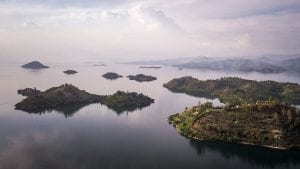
(122, 101)
(267, 123)
(56, 97)
(29, 92)
(141, 78)
(34, 65)
(70, 72)
(111, 76)
(69, 95)
(235, 91)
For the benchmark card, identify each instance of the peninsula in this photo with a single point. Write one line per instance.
(257, 113)
(233, 90)
(69, 95)
(265, 123)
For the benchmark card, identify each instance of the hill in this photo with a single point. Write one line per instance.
(34, 65)
(232, 90)
(268, 123)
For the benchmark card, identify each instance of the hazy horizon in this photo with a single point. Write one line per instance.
(116, 30)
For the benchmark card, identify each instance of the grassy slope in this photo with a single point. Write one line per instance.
(274, 125)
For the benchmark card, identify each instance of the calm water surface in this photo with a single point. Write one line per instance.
(96, 137)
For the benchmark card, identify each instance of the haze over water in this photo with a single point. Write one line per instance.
(97, 137)
(264, 35)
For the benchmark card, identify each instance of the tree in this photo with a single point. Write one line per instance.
(291, 116)
(276, 117)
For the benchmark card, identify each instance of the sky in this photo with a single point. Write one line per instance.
(121, 30)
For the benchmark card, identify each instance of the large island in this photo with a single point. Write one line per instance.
(69, 95)
(255, 112)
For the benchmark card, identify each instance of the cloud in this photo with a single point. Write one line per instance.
(69, 3)
(139, 29)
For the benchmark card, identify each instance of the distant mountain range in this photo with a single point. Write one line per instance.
(265, 64)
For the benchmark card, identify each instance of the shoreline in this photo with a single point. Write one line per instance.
(241, 143)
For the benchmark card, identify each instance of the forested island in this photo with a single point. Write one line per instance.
(69, 95)
(122, 101)
(141, 78)
(258, 113)
(70, 72)
(111, 76)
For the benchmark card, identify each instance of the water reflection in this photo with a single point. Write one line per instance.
(254, 155)
(70, 110)
(127, 109)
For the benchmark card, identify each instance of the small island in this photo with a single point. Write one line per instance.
(34, 65)
(69, 95)
(141, 78)
(102, 64)
(70, 72)
(122, 101)
(111, 76)
(265, 123)
(258, 113)
(150, 67)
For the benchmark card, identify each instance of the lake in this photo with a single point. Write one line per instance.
(94, 136)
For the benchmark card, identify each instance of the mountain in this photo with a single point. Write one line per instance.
(292, 64)
(242, 65)
(261, 64)
(168, 62)
(34, 65)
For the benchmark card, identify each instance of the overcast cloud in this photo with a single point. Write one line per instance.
(95, 30)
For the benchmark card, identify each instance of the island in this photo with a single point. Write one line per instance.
(34, 65)
(111, 76)
(122, 101)
(266, 123)
(150, 67)
(70, 72)
(258, 113)
(141, 78)
(56, 98)
(102, 64)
